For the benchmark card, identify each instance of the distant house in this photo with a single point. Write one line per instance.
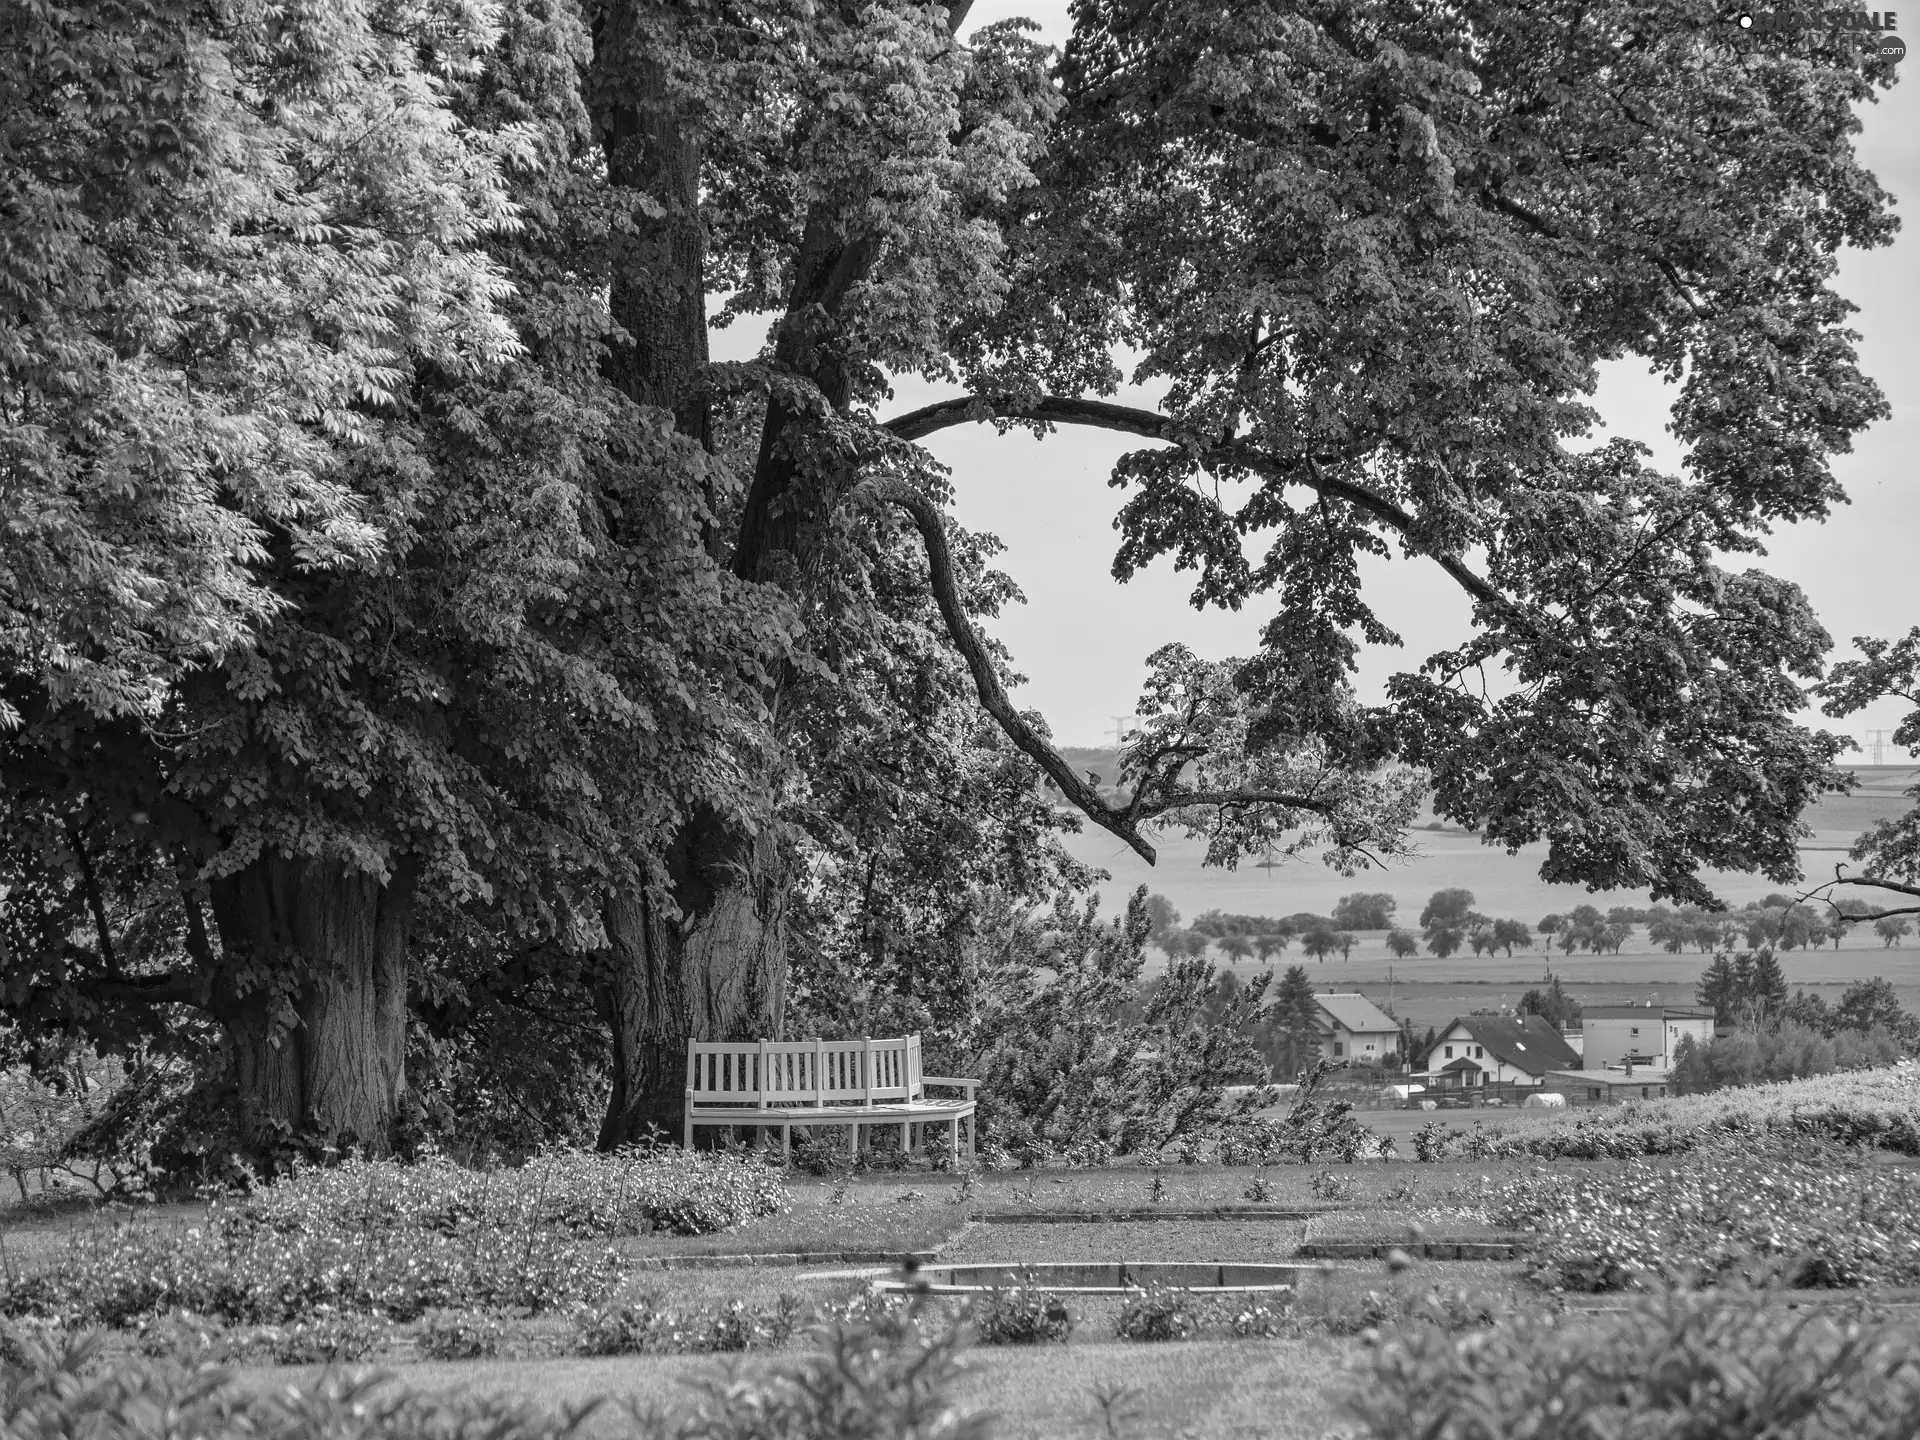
(1353, 1030)
(1643, 1035)
(1497, 1050)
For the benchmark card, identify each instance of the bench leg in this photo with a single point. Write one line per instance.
(973, 1124)
(953, 1139)
(686, 1132)
(906, 1147)
(786, 1144)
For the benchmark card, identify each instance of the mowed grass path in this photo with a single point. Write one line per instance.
(1244, 1389)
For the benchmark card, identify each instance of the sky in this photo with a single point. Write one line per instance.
(1082, 638)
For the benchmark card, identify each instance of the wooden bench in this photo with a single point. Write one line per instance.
(778, 1084)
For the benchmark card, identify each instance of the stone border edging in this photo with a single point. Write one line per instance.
(783, 1257)
(1501, 1248)
(1095, 1217)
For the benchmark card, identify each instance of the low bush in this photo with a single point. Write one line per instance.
(644, 1324)
(1159, 1313)
(397, 1240)
(460, 1335)
(890, 1377)
(1020, 1315)
(1787, 1214)
(1677, 1366)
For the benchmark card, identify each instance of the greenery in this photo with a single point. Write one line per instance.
(380, 1238)
(1019, 1315)
(1159, 1313)
(1677, 1365)
(1824, 1216)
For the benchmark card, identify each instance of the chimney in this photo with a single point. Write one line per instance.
(1629, 1067)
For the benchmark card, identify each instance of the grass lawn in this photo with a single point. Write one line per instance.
(1210, 1388)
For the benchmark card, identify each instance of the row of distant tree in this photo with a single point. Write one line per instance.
(1449, 923)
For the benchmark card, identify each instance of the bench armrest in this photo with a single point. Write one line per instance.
(967, 1085)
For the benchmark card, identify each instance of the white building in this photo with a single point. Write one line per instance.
(1647, 1035)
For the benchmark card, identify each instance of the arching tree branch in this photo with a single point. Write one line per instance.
(1152, 799)
(946, 593)
(1131, 420)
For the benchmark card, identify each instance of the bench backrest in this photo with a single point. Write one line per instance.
(803, 1072)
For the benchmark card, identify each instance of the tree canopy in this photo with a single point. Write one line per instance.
(401, 613)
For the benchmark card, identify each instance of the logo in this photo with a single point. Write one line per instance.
(1880, 23)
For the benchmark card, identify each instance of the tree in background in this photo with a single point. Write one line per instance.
(1447, 920)
(1346, 940)
(1550, 926)
(1402, 943)
(1552, 1004)
(1509, 933)
(1271, 943)
(1236, 947)
(1892, 929)
(1364, 912)
(1188, 943)
(1867, 1004)
(1290, 1025)
(1161, 918)
(1447, 907)
(1320, 941)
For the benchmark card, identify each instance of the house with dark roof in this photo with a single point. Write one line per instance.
(1353, 1030)
(1496, 1050)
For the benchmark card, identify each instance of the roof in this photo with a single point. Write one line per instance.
(1461, 1064)
(1526, 1042)
(1354, 1012)
(1649, 1012)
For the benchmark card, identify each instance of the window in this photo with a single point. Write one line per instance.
(1338, 1048)
(1369, 1047)
(1593, 1092)
(1636, 1032)
(1449, 1052)
(1479, 1052)
(1643, 1093)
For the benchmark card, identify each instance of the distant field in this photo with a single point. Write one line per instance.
(1503, 884)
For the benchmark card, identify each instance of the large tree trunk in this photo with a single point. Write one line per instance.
(340, 1068)
(718, 973)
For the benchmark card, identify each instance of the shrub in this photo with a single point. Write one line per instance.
(891, 1377)
(1020, 1315)
(460, 1335)
(1799, 1218)
(398, 1240)
(1325, 1185)
(1430, 1141)
(1158, 1313)
(1256, 1318)
(1677, 1366)
(639, 1325)
(324, 1337)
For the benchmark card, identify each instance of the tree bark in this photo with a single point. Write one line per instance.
(340, 1067)
(718, 973)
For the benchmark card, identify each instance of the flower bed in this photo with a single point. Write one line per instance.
(396, 1240)
(1863, 1109)
(1796, 1220)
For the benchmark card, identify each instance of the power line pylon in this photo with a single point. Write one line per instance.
(1878, 739)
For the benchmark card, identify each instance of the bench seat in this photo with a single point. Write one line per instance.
(778, 1084)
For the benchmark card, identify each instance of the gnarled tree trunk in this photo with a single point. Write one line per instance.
(718, 973)
(340, 1067)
